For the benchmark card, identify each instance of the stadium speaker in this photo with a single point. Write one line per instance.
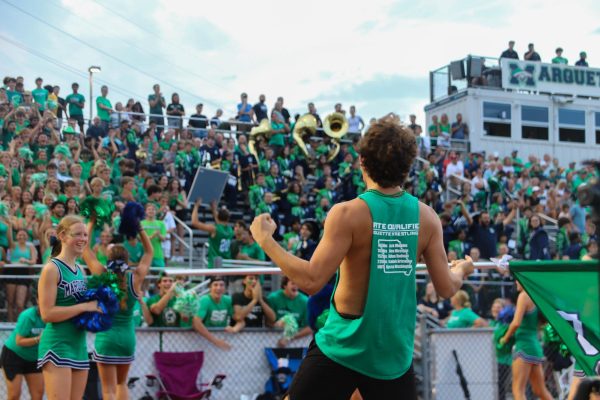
(457, 70)
(475, 66)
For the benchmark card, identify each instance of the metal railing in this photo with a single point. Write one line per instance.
(189, 245)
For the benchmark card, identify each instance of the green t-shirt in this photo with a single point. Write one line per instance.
(29, 324)
(40, 96)
(103, 114)
(157, 109)
(218, 245)
(15, 98)
(134, 252)
(253, 251)
(74, 109)
(168, 318)
(560, 60)
(283, 305)
(153, 226)
(215, 315)
(464, 318)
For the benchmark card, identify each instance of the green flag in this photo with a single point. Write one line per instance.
(567, 293)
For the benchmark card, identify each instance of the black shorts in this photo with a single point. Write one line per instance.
(78, 118)
(319, 377)
(24, 271)
(14, 365)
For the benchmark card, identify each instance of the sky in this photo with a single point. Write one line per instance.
(373, 54)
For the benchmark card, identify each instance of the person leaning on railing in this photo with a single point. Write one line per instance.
(463, 316)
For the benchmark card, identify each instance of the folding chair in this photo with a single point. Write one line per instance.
(178, 374)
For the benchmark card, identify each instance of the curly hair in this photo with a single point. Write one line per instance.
(388, 151)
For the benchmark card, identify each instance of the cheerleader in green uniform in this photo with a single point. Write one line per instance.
(62, 353)
(527, 351)
(115, 348)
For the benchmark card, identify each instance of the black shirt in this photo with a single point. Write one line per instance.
(286, 115)
(213, 152)
(508, 53)
(198, 121)
(175, 106)
(486, 237)
(95, 132)
(581, 63)
(59, 110)
(256, 317)
(260, 110)
(443, 307)
(533, 57)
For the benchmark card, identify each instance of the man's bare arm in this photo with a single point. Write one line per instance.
(310, 276)
(446, 281)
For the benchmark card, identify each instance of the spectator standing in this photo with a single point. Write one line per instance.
(103, 108)
(175, 113)
(416, 128)
(40, 95)
(531, 54)
(485, 232)
(157, 233)
(289, 300)
(156, 101)
(312, 110)
(434, 131)
(220, 233)
(61, 107)
(460, 130)
(284, 111)
(444, 133)
(161, 304)
(76, 102)
(582, 60)
(250, 307)
(216, 311)
(199, 122)
(215, 121)
(559, 59)
(249, 249)
(245, 113)
(355, 122)
(260, 109)
(538, 245)
(510, 52)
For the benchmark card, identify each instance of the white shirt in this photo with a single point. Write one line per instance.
(455, 169)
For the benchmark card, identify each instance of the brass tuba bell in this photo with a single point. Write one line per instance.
(305, 127)
(257, 133)
(335, 126)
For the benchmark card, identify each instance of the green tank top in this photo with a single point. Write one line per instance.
(379, 344)
(62, 343)
(17, 253)
(529, 326)
(218, 246)
(125, 315)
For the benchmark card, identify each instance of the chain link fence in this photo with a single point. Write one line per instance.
(439, 352)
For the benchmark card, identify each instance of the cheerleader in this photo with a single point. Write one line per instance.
(115, 348)
(527, 351)
(62, 353)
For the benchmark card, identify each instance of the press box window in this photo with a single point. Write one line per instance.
(571, 125)
(496, 119)
(534, 122)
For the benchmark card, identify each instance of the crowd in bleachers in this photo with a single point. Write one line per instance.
(51, 159)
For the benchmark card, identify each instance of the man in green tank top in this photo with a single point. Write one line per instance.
(220, 233)
(374, 242)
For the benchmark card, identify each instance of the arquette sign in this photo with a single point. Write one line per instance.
(550, 78)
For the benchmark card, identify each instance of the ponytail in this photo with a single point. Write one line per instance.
(56, 246)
